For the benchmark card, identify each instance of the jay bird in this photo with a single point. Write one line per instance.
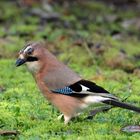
(65, 89)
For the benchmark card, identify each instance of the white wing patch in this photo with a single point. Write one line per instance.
(84, 88)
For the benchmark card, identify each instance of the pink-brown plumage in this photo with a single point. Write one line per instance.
(54, 74)
(61, 86)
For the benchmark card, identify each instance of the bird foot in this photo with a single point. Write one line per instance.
(66, 118)
(60, 117)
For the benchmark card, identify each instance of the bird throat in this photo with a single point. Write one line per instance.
(33, 66)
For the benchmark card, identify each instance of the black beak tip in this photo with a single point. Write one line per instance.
(20, 62)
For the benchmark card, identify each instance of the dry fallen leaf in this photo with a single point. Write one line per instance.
(131, 128)
(7, 132)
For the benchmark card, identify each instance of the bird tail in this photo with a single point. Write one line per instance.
(122, 105)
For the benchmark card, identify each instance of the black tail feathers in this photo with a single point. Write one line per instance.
(122, 105)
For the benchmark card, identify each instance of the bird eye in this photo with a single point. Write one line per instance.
(29, 51)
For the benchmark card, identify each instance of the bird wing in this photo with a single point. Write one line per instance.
(84, 87)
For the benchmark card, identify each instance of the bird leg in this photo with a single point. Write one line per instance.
(66, 119)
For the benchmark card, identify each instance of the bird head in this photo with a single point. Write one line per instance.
(31, 55)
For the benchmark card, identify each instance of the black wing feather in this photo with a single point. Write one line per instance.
(91, 85)
(76, 87)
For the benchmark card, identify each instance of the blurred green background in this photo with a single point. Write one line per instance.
(99, 39)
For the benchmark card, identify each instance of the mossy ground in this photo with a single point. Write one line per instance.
(94, 45)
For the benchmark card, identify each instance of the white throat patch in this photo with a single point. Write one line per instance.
(33, 67)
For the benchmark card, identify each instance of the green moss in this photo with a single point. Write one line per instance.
(22, 106)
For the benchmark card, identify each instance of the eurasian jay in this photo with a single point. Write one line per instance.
(65, 89)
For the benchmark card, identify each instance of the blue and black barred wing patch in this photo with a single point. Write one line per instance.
(65, 90)
(68, 91)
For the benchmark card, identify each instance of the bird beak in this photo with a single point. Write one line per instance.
(20, 62)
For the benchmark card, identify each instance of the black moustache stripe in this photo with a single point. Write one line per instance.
(31, 59)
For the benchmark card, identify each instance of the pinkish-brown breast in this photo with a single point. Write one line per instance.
(66, 104)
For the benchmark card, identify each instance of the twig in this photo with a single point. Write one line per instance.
(89, 52)
(8, 132)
